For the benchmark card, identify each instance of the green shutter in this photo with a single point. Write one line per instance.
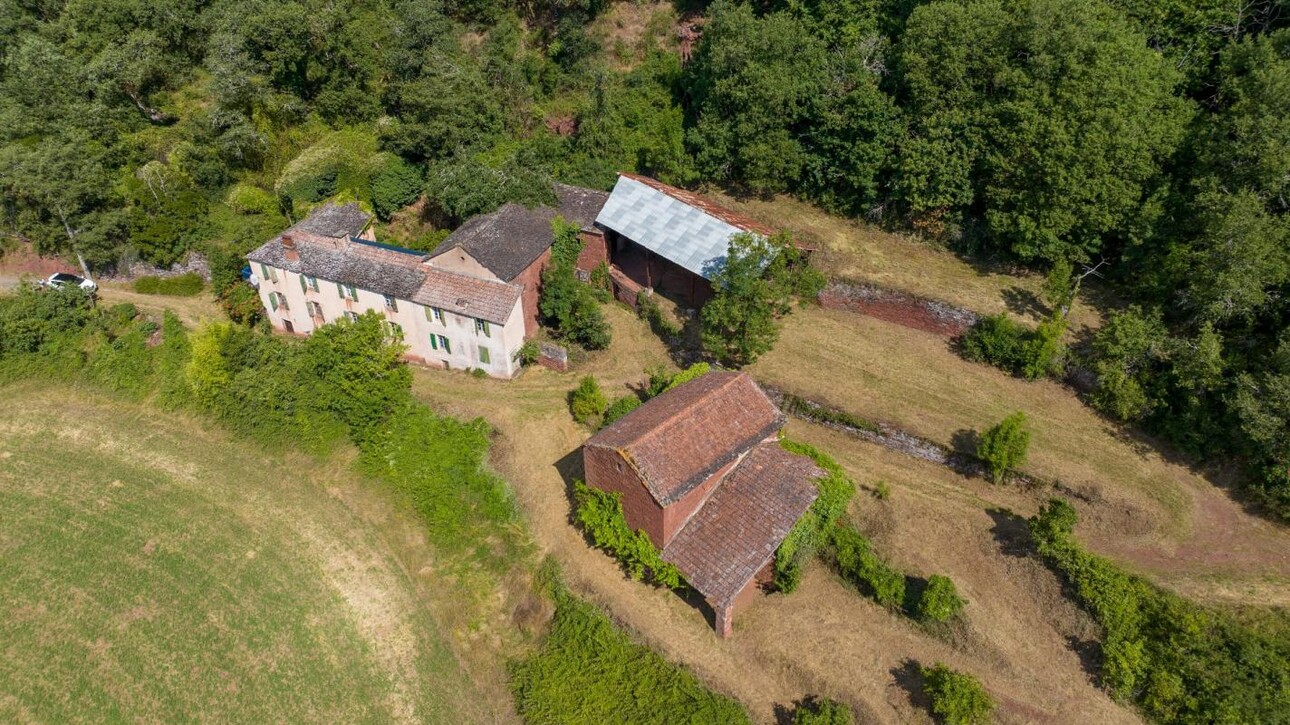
(434, 343)
(273, 301)
(340, 290)
(429, 314)
(447, 346)
(304, 285)
(264, 271)
(313, 282)
(353, 293)
(484, 357)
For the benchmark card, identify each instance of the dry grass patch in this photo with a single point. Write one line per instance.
(854, 250)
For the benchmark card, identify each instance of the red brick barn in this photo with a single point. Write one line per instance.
(701, 471)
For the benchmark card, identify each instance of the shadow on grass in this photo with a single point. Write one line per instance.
(1012, 534)
(909, 677)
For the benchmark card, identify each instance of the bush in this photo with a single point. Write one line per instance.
(997, 340)
(586, 401)
(528, 353)
(242, 304)
(587, 672)
(661, 380)
(647, 308)
(855, 560)
(188, 284)
(248, 199)
(1180, 662)
(568, 306)
(1003, 447)
(882, 490)
(600, 514)
(822, 712)
(812, 531)
(940, 600)
(957, 698)
(620, 407)
(396, 185)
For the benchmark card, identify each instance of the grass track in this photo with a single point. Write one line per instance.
(154, 570)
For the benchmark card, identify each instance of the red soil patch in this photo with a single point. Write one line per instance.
(899, 308)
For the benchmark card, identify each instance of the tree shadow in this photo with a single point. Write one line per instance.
(914, 588)
(1025, 303)
(1090, 657)
(787, 714)
(1012, 534)
(965, 442)
(909, 677)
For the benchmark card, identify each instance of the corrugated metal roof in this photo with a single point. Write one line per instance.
(667, 226)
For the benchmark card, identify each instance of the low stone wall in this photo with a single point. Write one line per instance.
(553, 356)
(900, 308)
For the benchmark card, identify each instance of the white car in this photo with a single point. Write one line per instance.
(62, 279)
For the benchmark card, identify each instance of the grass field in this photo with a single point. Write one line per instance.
(152, 569)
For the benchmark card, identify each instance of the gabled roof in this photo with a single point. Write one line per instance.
(675, 224)
(336, 260)
(679, 439)
(737, 530)
(487, 300)
(507, 241)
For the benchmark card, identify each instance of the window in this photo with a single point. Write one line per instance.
(439, 342)
(394, 330)
(391, 304)
(481, 328)
(353, 293)
(313, 283)
(264, 271)
(341, 289)
(308, 283)
(434, 314)
(304, 284)
(273, 301)
(351, 316)
(315, 310)
(484, 357)
(278, 300)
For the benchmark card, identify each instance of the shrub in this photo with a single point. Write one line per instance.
(248, 199)
(812, 531)
(528, 353)
(172, 358)
(882, 490)
(1180, 662)
(1003, 447)
(567, 305)
(647, 308)
(822, 712)
(188, 284)
(588, 672)
(661, 380)
(940, 600)
(600, 514)
(855, 560)
(957, 698)
(586, 401)
(620, 407)
(396, 185)
(998, 341)
(242, 304)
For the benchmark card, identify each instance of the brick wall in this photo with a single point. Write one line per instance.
(595, 250)
(531, 280)
(606, 470)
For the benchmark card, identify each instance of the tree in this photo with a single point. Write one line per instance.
(1051, 119)
(396, 185)
(755, 285)
(957, 698)
(815, 711)
(587, 402)
(1003, 447)
(567, 305)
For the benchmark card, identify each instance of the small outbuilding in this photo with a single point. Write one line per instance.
(701, 472)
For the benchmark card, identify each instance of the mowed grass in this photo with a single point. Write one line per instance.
(155, 570)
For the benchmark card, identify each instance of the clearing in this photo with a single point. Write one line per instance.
(154, 568)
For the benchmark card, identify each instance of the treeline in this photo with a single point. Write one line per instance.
(1151, 136)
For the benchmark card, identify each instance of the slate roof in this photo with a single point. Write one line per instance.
(678, 225)
(492, 301)
(507, 241)
(335, 220)
(347, 263)
(679, 439)
(737, 530)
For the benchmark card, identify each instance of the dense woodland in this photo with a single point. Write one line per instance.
(1150, 135)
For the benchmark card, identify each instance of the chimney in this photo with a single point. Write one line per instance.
(289, 248)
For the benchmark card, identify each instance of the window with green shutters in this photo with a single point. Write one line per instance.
(439, 342)
(304, 284)
(313, 283)
(391, 304)
(273, 301)
(484, 357)
(481, 328)
(353, 293)
(434, 314)
(264, 271)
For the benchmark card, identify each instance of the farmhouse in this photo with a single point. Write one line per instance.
(701, 472)
(469, 304)
(663, 238)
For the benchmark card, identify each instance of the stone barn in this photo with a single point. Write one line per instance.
(701, 472)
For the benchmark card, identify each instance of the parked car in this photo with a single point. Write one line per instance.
(62, 279)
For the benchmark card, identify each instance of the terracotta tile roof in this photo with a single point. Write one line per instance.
(737, 530)
(486, 300)
(708, 207)
(679, 439)
(507, 241)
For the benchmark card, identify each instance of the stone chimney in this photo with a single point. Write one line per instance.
(289, 248)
